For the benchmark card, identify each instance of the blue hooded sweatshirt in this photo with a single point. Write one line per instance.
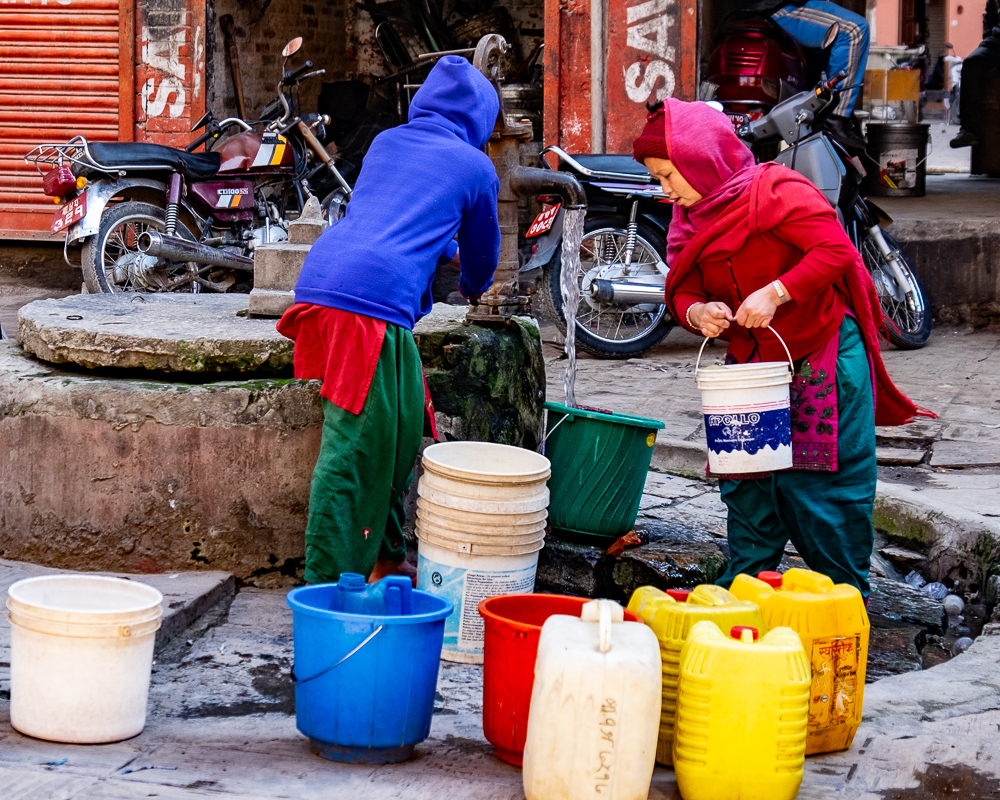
(420, 185)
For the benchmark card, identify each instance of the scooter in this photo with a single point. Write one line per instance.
(754, 64)
(160, 219)
(624, 239)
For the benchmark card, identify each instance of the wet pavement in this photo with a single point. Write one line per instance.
(221, 725)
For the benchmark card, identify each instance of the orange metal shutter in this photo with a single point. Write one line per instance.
(65, 69)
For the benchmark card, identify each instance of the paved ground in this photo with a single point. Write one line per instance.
(941, 158)
(221, 724)
(956, 203)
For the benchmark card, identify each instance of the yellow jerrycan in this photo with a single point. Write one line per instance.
(671, 615)
(832, 622)
(742, 706)
(594, 708)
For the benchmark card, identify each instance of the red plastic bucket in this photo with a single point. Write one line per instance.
(513, 624)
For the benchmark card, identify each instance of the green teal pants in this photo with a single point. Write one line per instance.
(364, 468)
(826, 515)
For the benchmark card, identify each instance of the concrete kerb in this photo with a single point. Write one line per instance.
(953, 538)
(187, 596)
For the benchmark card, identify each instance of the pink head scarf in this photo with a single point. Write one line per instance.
(705, 150)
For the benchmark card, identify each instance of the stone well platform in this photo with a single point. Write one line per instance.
(148, 475)
(199, 453)
(190, 333)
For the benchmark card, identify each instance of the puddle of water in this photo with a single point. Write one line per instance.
(948, 780)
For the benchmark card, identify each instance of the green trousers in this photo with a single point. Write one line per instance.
(826, 515)
(364, 468)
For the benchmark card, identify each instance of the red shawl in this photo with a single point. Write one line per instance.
(778, 195)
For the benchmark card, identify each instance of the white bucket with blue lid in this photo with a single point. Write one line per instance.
(748, 424)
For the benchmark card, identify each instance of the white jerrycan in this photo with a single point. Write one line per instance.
(595, 708)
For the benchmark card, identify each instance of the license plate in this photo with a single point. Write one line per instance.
(73, 211)
(544, 221)
(738, 119)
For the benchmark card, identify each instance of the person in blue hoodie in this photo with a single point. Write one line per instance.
(365, 282)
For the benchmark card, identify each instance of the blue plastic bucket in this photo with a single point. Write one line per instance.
(366, 666)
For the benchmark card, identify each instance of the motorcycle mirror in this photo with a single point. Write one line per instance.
(831, 34)
(204, 118)
(292, 47)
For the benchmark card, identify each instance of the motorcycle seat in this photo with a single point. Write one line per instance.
(621, 165)
(146, 156)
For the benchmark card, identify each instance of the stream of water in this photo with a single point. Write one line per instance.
(570, 290)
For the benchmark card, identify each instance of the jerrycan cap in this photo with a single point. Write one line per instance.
(736, 632)
(680, 595)
(351, 582)
(772, 579)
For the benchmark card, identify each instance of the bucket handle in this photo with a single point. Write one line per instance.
(791, 364)
(370, 636)
(552, 430)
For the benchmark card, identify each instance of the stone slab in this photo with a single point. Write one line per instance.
(270, 302)
(965, 454)
(304, 231)
(200, 333)
(277, 266)
(898, 456)
(187, 596)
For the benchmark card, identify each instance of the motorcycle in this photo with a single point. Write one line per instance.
(622, 313)
(159, 219)
(624, 241)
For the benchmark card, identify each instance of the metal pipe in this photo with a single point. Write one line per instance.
(534, 181)
(627, 294)
(174, 248)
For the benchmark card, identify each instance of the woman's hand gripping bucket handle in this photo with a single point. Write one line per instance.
(791, 364)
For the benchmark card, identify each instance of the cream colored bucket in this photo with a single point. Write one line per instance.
(481, 517)
(747, 416)
(81, 656)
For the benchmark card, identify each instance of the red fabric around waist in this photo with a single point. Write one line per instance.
(337, 347)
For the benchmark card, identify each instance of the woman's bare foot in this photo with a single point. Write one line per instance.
(384, 567)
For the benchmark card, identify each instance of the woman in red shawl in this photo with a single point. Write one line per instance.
(750, 244)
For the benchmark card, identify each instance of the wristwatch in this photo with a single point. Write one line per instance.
(782, 295)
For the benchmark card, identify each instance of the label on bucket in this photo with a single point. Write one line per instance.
(749, 431)
(464, 589)
(898, 168)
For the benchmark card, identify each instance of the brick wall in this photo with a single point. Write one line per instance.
(170, 69)
(323, 26)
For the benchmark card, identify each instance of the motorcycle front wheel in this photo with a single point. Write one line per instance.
(607, 330)
(113, 263)
(909, 325)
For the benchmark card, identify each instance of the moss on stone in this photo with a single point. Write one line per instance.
(492, 379)
(904, 528)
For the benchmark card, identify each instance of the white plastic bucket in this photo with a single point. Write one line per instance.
(464, 580)
(748, 424)
(481, 515)
(492, 465)
(81, 656)
(532, 501)
(487, 525)
(461, 545)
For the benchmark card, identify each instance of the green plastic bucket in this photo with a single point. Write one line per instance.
(599, 466)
